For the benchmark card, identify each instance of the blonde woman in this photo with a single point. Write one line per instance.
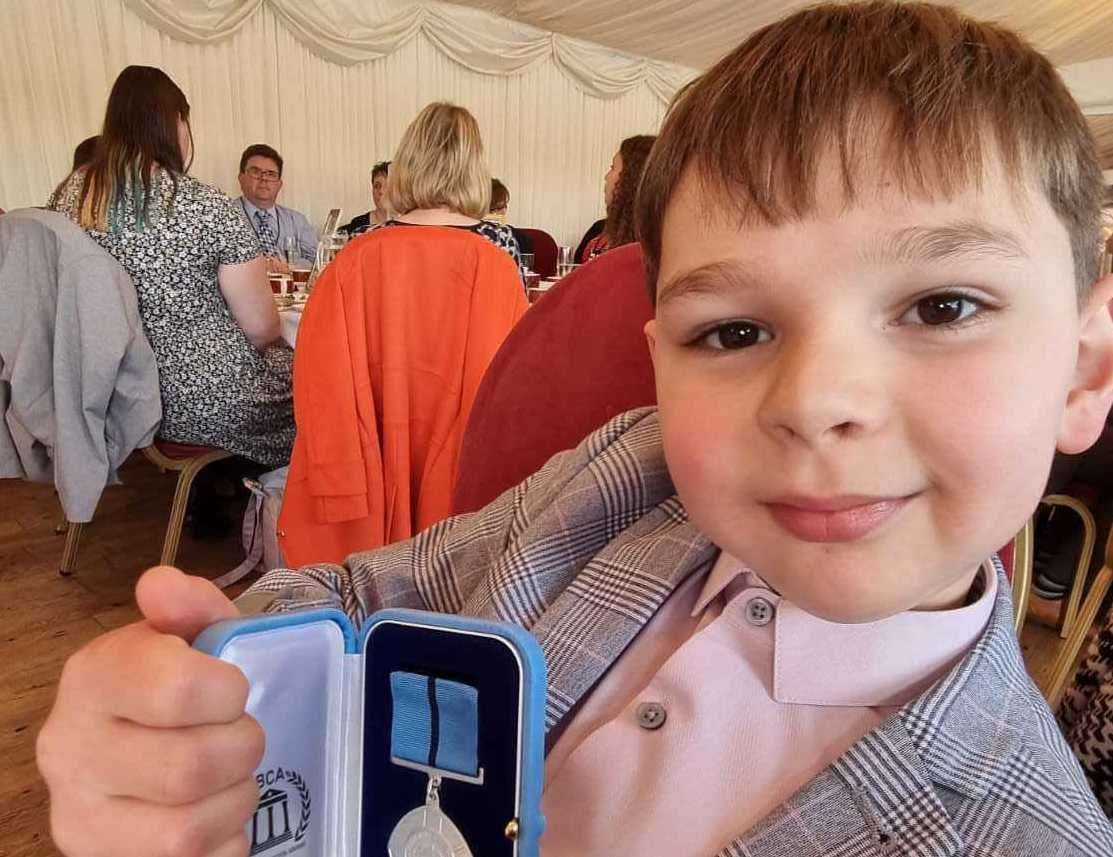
(392, 347)
(439, 177)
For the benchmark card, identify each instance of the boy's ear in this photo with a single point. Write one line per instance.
(1092, 391)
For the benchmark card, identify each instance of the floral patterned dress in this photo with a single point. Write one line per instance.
(499, 234)
(217, 389)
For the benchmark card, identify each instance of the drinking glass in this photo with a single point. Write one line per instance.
(290, 249)
(564, 261)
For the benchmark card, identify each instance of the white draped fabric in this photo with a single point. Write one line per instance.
(332, 85)
(697, 32)
(351, 31)
(1092, 85)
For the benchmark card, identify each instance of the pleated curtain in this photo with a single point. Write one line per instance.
(331, 84)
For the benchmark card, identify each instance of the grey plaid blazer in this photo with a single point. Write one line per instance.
(586, 550)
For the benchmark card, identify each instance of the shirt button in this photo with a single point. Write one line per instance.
(759, 611)
(652, 715)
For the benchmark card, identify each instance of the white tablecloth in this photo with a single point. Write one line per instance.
(290, 318)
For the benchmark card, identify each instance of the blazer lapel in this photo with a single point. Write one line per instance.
(586, 561)
(598, 615)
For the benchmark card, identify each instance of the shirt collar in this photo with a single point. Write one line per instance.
(252, 208)
(884, 663)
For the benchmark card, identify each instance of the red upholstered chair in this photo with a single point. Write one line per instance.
(577, 358)
(187, 461)
(544, 252)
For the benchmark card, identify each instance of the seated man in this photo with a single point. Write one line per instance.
(279, 228)
(379, 214)
(771, 610)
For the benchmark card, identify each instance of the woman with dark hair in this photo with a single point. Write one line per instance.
(204, 299)
(620, 187)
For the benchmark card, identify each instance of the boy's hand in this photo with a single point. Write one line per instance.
(147, 750)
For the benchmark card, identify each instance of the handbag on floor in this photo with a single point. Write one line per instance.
(260, 527)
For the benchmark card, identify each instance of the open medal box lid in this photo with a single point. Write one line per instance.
(329, 783)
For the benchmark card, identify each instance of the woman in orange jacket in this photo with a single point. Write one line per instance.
(391, 349)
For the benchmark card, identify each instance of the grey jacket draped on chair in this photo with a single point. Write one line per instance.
(585, 551)
(78, 382)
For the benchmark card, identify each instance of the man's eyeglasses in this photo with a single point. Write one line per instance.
(262, 175)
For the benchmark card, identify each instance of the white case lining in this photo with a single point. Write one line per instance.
(301, 687)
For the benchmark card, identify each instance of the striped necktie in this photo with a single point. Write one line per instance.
(267, 239)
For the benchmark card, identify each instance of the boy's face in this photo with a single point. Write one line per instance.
(864, 404)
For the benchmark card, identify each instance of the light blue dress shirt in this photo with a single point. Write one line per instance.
(284, 222)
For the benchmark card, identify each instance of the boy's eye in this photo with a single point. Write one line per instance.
(734, 335)
(938, 310)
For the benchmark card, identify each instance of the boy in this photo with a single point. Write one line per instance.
(872, 232)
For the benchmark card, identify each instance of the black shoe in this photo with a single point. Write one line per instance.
(1048, 589)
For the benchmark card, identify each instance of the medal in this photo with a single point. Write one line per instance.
(427, 831)
(434, 729)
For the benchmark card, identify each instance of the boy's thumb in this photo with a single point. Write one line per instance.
(178, 604)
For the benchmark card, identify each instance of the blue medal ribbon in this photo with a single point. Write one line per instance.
(435, 723)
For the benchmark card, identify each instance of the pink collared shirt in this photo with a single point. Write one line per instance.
(727, 703)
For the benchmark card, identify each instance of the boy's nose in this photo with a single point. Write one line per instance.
(823, 393)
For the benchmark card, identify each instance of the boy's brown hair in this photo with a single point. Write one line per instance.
(948, 92)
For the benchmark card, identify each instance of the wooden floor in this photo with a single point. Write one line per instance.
(44, 617)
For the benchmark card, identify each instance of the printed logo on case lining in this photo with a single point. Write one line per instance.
(273, 824)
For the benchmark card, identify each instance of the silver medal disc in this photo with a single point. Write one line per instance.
(427, 832)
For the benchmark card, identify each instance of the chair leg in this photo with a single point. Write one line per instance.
(69, 552)
(1081, 572)
(178, 510)
(1022, 573)
(1063, 670)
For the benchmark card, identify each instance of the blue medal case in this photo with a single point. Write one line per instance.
(327, 785)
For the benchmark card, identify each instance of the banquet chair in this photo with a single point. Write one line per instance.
(577, 359)
(187, 461)
(544, 252)
(1063, 669)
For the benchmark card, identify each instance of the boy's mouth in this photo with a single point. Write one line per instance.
(844, 518)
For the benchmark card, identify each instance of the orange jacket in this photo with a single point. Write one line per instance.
(390, 352)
